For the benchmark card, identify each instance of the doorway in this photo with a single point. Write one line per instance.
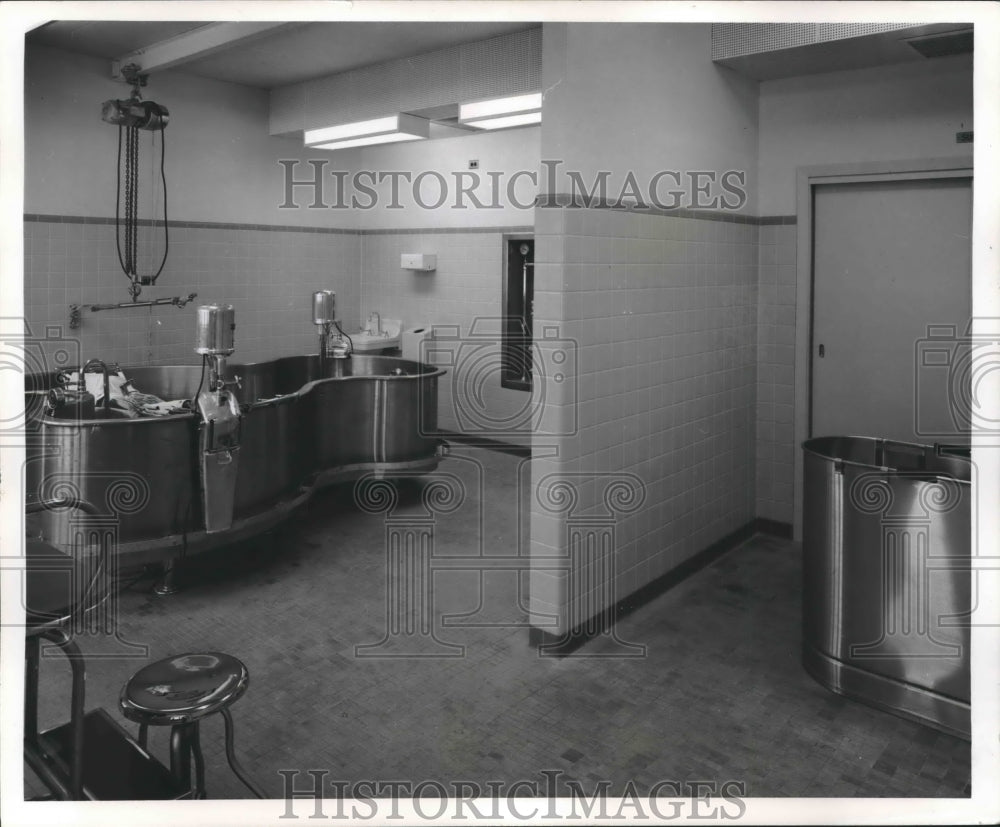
(806, 348)
(891, 260)
(518, 312)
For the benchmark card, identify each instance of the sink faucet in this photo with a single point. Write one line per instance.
(107, 381)
(375, 328)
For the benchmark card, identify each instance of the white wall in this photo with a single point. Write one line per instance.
(644, 98)
(221, 164)
(908, 110)
(500, 154)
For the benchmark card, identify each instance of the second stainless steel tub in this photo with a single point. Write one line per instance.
(886, 597)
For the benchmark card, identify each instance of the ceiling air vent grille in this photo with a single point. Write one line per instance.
(731, 40)
(838, 31)
(734, 39)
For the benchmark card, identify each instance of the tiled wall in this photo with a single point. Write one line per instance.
(269, 276)
(664, 314)
(466, 292)
(656, 306)
(776, 369)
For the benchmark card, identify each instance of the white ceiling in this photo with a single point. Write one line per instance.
(880, 49)
(291, 54)
(106, 38)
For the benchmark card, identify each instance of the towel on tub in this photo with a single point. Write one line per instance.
(145, 404)
(125, 397)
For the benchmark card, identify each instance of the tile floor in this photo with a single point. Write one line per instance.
(718, 695)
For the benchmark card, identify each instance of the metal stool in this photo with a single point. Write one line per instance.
(178, 692)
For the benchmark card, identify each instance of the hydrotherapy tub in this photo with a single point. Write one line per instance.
(886, 580)
(299, 432)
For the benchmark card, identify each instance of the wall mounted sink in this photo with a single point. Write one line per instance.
(370, 340)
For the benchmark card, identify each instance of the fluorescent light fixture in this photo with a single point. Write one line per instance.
(393, 138)
(469, 112)
(508, 120)
(394, 128)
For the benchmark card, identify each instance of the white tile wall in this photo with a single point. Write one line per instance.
(268, 275)
(664, 314)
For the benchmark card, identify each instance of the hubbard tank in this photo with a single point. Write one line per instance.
(241, 447)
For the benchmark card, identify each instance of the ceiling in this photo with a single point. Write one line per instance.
(296, 52)
(910, 44)
(293, 53)
(106, 38)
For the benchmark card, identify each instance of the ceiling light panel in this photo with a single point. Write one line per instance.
(370, 140)
(471, 112)
(508, 120)
(400, 127)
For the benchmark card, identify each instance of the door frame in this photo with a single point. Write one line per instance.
(807, 178)
(506, 239)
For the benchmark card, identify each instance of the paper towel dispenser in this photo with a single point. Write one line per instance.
(422, 262)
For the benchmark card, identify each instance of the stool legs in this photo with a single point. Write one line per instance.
(180, 755)
(185, 745)
(185, 748)
(231, 755)
(199, 762)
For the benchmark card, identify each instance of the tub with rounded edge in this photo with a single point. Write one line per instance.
(886, 582)
(299, 431)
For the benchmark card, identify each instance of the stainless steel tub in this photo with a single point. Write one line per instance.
(886, 531)
(300, 431)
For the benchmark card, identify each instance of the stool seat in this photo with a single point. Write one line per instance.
(183, 688)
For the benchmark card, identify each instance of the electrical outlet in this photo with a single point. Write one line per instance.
(474, 163)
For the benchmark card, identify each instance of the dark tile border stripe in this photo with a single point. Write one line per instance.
(272, 228)
(192, 225)
(550, 645)
(705, 215)
(450, 230)
(561, 201)
(765, 526)
(567, 201)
